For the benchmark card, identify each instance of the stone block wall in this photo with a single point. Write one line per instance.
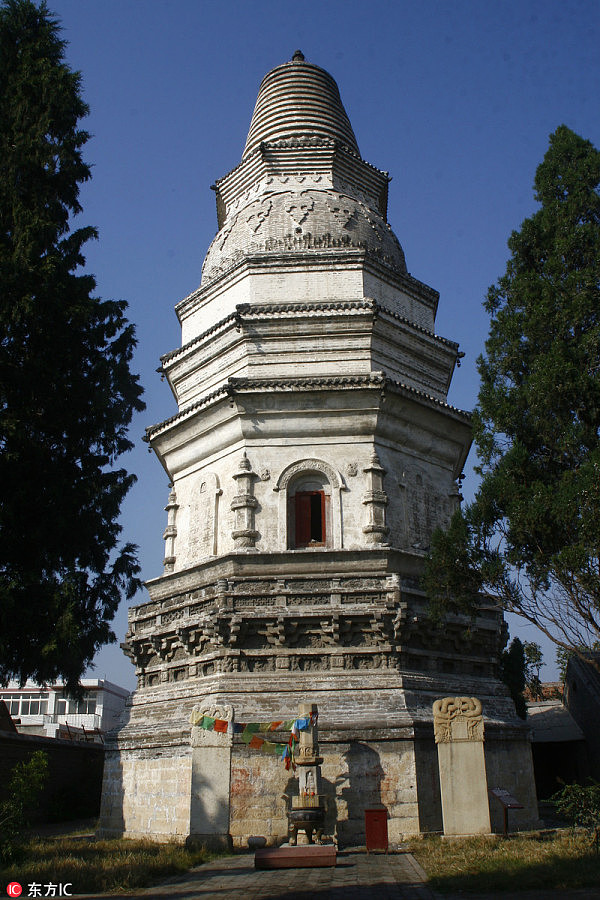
(147, 794)
(509, 766)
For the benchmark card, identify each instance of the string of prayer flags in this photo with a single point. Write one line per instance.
(251, 731)
(299, 725)
(196, 717)
(221, 726)
(270, 726)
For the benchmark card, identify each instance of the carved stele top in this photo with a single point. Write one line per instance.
(457, 719)
(299, 98)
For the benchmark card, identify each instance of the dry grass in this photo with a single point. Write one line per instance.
(565, 860)
(98, 866)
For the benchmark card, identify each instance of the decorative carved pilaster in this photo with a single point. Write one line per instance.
(170, 532)
(244, 505)
(375, 501)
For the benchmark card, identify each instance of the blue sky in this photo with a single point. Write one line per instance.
(455, 99)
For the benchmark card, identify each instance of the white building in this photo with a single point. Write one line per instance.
(50, 711)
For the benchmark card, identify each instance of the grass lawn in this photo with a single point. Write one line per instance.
(97, 866)
(565, 860)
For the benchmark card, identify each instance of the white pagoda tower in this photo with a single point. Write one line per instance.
(312, 454)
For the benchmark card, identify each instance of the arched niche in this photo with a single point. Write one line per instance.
(310, 478)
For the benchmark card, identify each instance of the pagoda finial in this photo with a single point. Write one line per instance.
(298, 56)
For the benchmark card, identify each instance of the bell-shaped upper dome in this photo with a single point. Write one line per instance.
(299, 98)
(302, 186)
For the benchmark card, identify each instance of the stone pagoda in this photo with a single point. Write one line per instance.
(312, 454)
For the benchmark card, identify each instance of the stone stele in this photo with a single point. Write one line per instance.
(459, 730)
(312, 453)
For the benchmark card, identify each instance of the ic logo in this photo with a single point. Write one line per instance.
(14, 889)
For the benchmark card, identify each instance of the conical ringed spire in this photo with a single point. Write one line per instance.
(299, 98)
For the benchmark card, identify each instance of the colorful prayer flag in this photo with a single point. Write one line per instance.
(220, 726)
(256, 742)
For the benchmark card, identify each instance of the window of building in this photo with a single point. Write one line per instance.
(67, 706)
(308, 519)
(26, 704)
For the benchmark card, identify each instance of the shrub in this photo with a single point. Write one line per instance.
(580, 805)
(25, 785)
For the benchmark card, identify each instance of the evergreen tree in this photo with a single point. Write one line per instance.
(512, 672)
(66, 391)
(533, 663)
(531, 537)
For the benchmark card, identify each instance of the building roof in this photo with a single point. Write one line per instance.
(299, 98)
(551, 722)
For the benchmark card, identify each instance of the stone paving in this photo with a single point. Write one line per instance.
(357, 875)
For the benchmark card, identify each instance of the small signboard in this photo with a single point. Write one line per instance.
(507, 801)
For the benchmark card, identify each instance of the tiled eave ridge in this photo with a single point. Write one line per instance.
(249, 310)
(304, 142)
(376, 380)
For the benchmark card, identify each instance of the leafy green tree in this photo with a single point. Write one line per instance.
(66, 391)
(531, 538)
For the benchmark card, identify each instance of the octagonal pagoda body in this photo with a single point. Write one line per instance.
(311, 457)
